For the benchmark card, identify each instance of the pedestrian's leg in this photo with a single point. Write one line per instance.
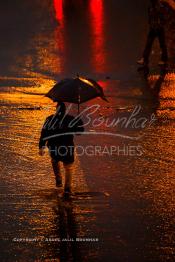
(69, 168)
(56, 169)
(162, 41)
(150, 39)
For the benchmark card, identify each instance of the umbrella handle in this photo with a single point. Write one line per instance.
(78, 108)
(78, 100)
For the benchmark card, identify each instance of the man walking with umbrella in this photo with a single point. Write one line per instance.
(59, 129)
(58, 134)
(156, 30)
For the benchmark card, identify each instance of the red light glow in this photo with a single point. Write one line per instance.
(58, 4)
(97, 17)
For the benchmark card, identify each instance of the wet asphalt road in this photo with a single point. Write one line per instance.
(123, 204)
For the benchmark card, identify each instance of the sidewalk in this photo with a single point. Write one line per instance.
(122, 200)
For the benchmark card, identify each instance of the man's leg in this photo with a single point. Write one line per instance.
(56, 169)
(69, 168)
(150, 39)
(161, 37)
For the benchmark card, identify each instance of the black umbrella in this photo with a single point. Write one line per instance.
(76, 90)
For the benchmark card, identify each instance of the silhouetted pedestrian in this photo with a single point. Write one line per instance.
(156, 30)
(58, 134)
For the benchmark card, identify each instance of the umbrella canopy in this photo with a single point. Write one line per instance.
(76, 90)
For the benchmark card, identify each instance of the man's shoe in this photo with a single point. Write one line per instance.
(59, 182)
(162, 63)
(67, 192)
(141, 61)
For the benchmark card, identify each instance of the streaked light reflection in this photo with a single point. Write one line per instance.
(97, 24)
(60, 33)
